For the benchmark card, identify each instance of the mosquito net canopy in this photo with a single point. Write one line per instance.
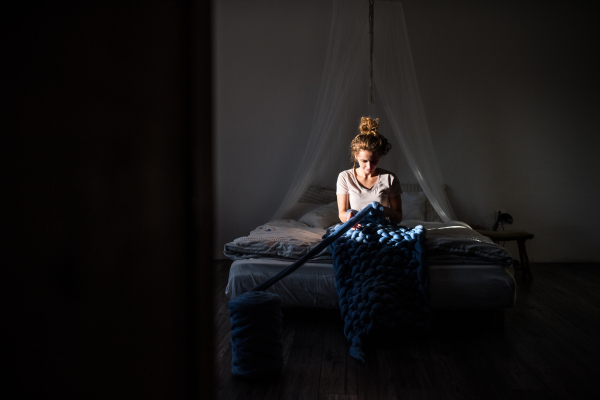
(343, 99)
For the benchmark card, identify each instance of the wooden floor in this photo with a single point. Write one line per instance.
(548, 349)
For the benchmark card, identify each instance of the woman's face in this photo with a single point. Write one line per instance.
(367, 161)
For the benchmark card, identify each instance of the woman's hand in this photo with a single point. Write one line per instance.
(346, 213)
(394, 211)
(350, 216)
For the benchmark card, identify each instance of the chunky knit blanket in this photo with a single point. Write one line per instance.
(382, 282)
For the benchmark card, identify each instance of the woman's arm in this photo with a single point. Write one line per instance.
(394, 211)
(343, 206)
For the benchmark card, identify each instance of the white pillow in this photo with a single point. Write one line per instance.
(413, 205)
(319, 195)
(323, 217)
(299, 209)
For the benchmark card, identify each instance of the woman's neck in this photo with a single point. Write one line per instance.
(361, 174)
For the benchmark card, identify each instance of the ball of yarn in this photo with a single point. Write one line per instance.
(256, 326)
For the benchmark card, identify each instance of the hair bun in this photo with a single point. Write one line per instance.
(369, 139)
(369, 125)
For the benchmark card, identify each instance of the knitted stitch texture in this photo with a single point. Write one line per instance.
(382, 282)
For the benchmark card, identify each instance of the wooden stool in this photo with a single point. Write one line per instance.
(520, 236)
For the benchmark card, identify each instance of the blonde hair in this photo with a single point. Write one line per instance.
(369, 138)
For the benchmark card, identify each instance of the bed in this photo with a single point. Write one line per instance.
(467, 271)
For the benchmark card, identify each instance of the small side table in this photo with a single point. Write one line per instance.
(520, 236)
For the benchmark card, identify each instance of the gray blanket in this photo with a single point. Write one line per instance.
(447, 243)
(282, 238)
(456, 243)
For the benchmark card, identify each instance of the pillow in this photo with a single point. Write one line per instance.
(323, 217)
(319, 195)
(299, 209)
(413, 205)
(430, 213)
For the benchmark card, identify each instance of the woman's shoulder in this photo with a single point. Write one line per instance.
(345, 183)
(385, 172)
(389, 180)
(345, 174)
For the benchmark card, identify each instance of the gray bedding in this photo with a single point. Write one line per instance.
(282, 238)
(447, 243)
(455, 242)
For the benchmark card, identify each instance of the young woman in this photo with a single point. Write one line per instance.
(358, 187)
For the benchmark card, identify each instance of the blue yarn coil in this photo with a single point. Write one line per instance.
(256, 326)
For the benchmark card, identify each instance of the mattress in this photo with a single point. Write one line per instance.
(451, 287)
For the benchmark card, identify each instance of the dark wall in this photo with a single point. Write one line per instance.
(101, 114)
(509, 88)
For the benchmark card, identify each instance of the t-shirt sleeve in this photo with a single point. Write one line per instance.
(395, 189)
(342, 184)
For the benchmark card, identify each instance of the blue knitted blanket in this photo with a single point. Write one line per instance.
(382, 281)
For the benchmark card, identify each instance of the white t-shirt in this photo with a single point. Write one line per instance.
(359, 196)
